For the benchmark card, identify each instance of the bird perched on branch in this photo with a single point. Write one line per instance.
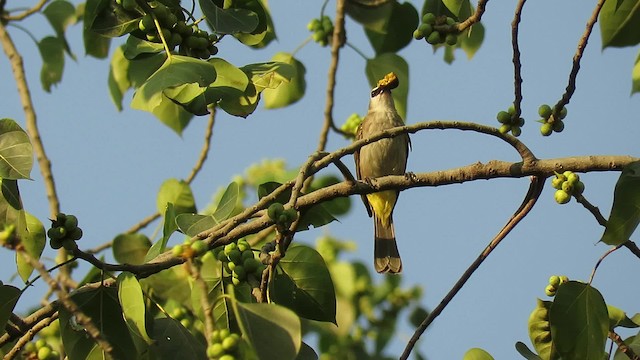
(381, 158)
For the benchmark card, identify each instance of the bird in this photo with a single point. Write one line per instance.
(381, 158)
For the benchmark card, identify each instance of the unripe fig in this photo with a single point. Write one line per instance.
(562, 197)
(434, 38)
(429, 18)
(215, 351)
(546, 129)
(578, 188)
(230, 343)
(567, 187)
(516, 131)
(229, 248)
(451, 39)
(75, 234)
(563, 113)
(558, 125)
(554, 280)
(573, 178)
(275, 210)
(177, 250)
(199, 247)
(235, 256)
(425, 29)
(550, 290)
(505, 128)
(503, 117)
(544, 111)
(557, 182)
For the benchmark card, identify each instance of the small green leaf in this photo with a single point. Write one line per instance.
(33, 244)
(273, 331)
(269, 75)
(118, 80)
(579, 322)
(263, 33)
(113, 21)
(477, 354)
(172, 341)
(52, 52)
(194, 224)
(9, 296)
(303, 284)
(169, 227)
(397, 31)
(131, 248)
(620, 23)
(16, 152)
(288, 92)
(227, 203)
(383, 64)
(471, 39)
(61, 14)
(11, 211)
(625, 212)
(373, 17)
(635, 76)
(455, 6)
(228, 21)
(94, 44)
(132, 302)
(135, 47)
(524, 350)
(177, 192)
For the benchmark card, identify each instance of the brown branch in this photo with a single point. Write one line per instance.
(337, 42)
(595, 268)
(517, 65)
(475, 18)
(535, 189)
(207, 308)
(624, 348)
(582, 44)
(26, 13)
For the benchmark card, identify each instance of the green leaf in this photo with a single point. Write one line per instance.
(620, 23)
(288, 92)
(263, 33)
(169, 227)
(9, 296)
(135, 47)
(11, 211)
(383, 64)
(303, 284)
(172, 284)
(372, 17)
(177, 192)
(131, 248)
(579, 322)
(306, 353)
(273, 331)
(112, 20)
(471, 39)
(625, 212)
(194, 224)
(33, 244)
(227, 203)
(61, 14)
(228, 89)
(617, 317)
(524, 350)
(16, 152)
(132, 302)
(95, 45)
(102, 307)
(52, 52)
(455, 6)
(477, 354)
(269, 75)
(172, 341)
(635, 76)
(118, 80)
(228, 21)
(397, 32)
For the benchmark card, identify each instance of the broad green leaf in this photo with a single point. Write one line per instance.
(477, 354)
(132, 302)
(269, 75)
(272, 330)
(118, 77)
(303, 284)
(227, 203)
(112, 20)
(455, 6)
(383, 64)
(130, 248)
(397, 31)
(372, 17)
(524, 350)
(174, 341)
(471, 39)
(52, 52)
(135, 47)
(437, 7)
(228, 21)
(620, 23)
(9, 296)
(94, 44)
(288, 92)
(177, 192)
(633, 342)
(191, 97)
(579, 322)
(262, 34)
(172, 284)
(11, 211)
(169, 226)
(33, 244)
(635, 76)
(540, 331)
(194, 224)
(625, 212)
(61, 14)
(316, 215)
(102, 307)
(16, 152)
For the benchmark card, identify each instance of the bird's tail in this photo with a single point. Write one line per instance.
(387, 257)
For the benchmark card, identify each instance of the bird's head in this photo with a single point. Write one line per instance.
(390, 81)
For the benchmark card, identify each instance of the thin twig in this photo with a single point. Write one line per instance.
(582, 44)
(517, 65)
(535, 189)
(204, 152)
(476, 17)
(26, 13)
(207, 309)
(29, 335)
(336, 44)
(595, 268)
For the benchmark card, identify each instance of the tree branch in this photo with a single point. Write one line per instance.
(476, 17)
(27, 12)
(535, 189)
(517, 65)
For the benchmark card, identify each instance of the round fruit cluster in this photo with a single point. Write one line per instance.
(283, 218)
(446, 32)
(554, 282)
(567, 184)
(510, 122)
(322, 30)
(40, 350)
(190, 249)
(239, 261)
(551, 121)
(224, 345)
(351, 125)
(64, 231)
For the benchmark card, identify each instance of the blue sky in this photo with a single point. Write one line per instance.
(109, 165)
